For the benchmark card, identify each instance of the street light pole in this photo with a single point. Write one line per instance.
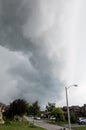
(68, 112)
(69, 124)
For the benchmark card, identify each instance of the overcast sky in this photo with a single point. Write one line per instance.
(42, 50)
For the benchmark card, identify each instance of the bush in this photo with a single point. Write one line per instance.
(7, 122)
(73, 118)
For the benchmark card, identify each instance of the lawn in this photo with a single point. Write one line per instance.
(80, 128)
(19, 126)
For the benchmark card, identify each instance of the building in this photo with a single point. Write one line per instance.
(77, 110)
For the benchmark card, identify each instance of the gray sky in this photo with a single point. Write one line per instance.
(42, 50)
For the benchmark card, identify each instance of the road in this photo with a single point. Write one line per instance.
(45, 125)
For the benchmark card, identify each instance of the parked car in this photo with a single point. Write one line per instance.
(82, 120)
(52, 118)
(37, 118)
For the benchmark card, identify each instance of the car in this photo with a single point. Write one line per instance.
(52, 118)
(37, 118)
(82, 120)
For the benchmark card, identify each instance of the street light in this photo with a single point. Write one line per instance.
(68, 112)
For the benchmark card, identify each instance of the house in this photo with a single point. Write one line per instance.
(77, 110)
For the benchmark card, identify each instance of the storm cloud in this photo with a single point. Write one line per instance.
(37, 45)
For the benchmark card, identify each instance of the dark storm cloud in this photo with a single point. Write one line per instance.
(33, 28)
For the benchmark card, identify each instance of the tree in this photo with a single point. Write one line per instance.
(27, 108)
(17, 107)
(73, 117)
(35, 109)
(50, 107)
(58, 113)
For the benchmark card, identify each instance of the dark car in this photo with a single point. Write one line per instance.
(37, 118)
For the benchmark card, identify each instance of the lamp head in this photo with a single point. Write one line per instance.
(75, 85)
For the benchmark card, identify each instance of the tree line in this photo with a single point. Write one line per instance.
(20, 107)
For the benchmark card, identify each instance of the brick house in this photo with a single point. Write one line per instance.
(77, 110)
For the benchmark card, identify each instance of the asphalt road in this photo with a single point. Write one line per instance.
(45, 125)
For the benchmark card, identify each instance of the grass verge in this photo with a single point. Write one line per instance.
(14, 125)
(80, 128)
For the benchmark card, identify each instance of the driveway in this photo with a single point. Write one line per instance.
(45, 125)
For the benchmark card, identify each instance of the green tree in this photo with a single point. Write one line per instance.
(50, 107)
(58, 113)
(27, 108)
(35, 109)
(73, 118)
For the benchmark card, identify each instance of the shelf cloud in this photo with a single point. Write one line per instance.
(37, 47)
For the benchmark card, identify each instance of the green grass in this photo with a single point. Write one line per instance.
(19, 126)
(80, 128)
